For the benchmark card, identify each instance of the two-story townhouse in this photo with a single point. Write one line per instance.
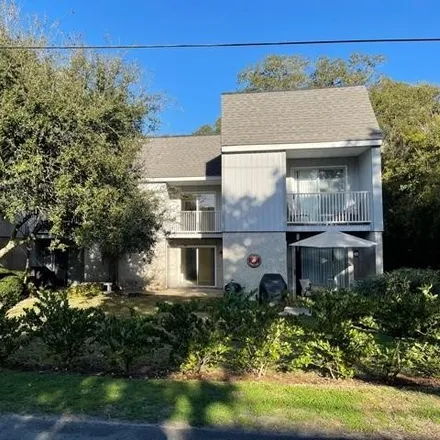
(287, 166)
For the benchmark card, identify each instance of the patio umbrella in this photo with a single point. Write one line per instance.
(334, 239)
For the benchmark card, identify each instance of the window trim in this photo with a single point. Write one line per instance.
(195, 246)
(197, 193)
(324, 167)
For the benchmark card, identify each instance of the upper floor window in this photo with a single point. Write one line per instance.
(198, 202)
(318, 180)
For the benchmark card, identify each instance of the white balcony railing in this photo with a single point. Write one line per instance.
(188, 222)
(351, 207)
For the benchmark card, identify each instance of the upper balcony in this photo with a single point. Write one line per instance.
(333, 208)
(188, 223)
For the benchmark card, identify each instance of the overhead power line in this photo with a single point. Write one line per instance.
(220, 45)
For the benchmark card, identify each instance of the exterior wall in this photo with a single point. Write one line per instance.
(377, 238)
(376, 170)
(271, 246)
(173, 262)
(95, 268)
(364, 169)
(353, 181)
(144, 272)
(370, 175)
(254, 192)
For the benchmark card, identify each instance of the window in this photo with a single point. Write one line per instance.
(198, 202)
(198, 212)
(318, 180)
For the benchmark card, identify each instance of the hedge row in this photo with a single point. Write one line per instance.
(382, 327)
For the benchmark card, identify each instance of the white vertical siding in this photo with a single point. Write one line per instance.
(364, 170)
(376, 170)
(254, 192)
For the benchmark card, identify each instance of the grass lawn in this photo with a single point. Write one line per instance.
(332, 407)
(119, 304)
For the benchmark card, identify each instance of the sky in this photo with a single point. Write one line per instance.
(192, 80)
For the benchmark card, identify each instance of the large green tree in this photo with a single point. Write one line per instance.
(280, 72)
(71, 125)
(409, 115)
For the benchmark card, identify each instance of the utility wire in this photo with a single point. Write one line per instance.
(219, 45)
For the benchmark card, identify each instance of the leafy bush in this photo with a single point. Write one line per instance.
(424, 359)
(65, 331)
(86, 290)
(123, 339)
(407, 312)
(208, 346)
(331, 309)
(258, 335)
(377, 286)
(11, 290)
(178, 322)
(197, 341)
(339, 334)
(321, 355)
(10, 335)
(405, 309)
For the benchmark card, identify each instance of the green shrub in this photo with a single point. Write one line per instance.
(11, 290)
(377, 286)
(10, 335)
(124, 339)
(178, 322)
(208, 346)
(197, 341)
(332, 308)
(337, 354)
(86, 290)
(321, 355)
(65, 331)
(261, 346)
(406, 315)
(423, 359)
(407, 312)
(259, 337)
(339, 336)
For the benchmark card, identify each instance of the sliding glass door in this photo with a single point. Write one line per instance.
(198, 266)
(325, 266)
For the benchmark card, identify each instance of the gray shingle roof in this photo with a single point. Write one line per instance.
(182, 156)
(311, 115)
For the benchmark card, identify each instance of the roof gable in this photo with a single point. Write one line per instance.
(181, 156)
(299, 116)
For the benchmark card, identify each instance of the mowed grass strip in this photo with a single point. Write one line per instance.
(336, 407)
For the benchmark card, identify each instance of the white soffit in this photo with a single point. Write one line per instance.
(330, 152)
(302, 146)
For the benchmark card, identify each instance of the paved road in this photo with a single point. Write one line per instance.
(15, 427)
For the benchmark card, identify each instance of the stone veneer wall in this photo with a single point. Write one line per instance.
(271, 246)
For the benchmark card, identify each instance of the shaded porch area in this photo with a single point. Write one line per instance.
(331, 259)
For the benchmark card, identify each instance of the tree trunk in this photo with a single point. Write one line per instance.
(11, 244)
(26, 269)
(14, 241)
